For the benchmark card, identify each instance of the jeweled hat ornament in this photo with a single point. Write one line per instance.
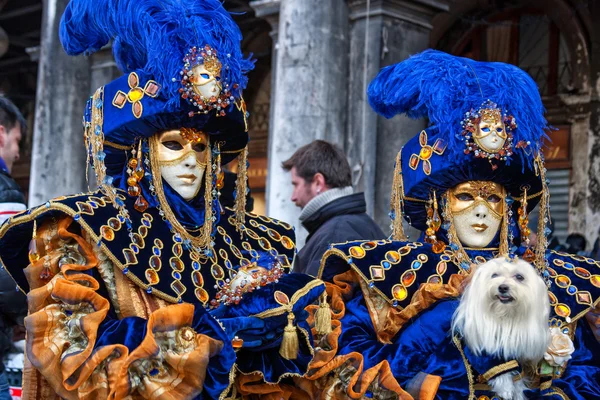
(486, 124)
(184, 70)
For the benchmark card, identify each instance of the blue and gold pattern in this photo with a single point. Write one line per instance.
(149, 244)
(397, 269)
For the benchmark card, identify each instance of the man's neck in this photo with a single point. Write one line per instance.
(322, 199)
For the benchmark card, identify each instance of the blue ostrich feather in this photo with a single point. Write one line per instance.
(443, 88)
(154, 36)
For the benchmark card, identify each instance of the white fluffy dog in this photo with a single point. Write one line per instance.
(504, 312)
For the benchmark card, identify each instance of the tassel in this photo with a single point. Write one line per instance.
(290, 345)
(241, 188)
(323, 317)
(397, 201)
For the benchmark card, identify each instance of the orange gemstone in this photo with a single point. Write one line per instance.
(33, 251)
(563, 281)
(408, 278)
(151, 276)
(392, 256)
(414, 161)
(107, 233)
(528, 256)
(155, 262)
(357, 252)
(281, 298)
(140, 204)
(438, 247)
(220, 180)
(201, 295)
(595, 280)
(430, 232)
(133, 190)
(137, 239)
(264, 243)
(287, 242)
(197, 278)
(425, 152)
(217, 272)
(562, 310)
(132, 181)
(132, 163)
(139, 174)
(114, 223)
(176, 264)
(441, 267)
(237, 343)
(582, 272)
(178, 250)
(399, 292)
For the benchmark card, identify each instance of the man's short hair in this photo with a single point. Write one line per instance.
(10, 115)
(324, 157)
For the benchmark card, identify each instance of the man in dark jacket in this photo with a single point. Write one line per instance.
(13, 304)
(331, 212)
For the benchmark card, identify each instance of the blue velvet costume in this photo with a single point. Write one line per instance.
(124, 282)
(393, 300)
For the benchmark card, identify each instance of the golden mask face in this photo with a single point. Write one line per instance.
(206, 82)
(182, 163)
(477, 209)
(465, 196)
(491, 133)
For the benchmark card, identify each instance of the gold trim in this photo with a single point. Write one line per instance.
(467, 367)
(295, 297)
(499, 369)
(117, 146)
(95, 239)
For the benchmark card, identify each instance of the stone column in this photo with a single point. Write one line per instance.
(58, 156)
(592, 199)
(383, 32)
(269, 10)
(310, 90)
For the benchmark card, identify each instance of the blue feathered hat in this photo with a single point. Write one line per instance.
(183, 68)
(156, 43)
(455, 93)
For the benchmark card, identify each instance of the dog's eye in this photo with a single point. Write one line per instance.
(494, 275)
(519, 277)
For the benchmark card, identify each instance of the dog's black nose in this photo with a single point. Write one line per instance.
(503, 289)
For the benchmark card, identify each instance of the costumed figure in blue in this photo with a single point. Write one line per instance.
(147, 287)
(469, 182)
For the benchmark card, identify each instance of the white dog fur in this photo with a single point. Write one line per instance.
(504, 312)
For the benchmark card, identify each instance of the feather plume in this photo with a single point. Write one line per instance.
(443, 88)
(154, 35)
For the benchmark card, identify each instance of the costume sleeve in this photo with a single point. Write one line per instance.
(84, 351)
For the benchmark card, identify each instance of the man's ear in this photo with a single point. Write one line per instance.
(319, 182)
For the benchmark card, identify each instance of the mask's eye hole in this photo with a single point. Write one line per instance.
(172, 145)
(519, 277)
(494, 198)
(499, 130)
(205, 76)
(199, 147)
(494, 275)
(485, 129)
(464, 196)
(218, 78)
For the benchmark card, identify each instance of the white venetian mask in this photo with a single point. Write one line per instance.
(206, 82)
(182, 157)
(477, 208)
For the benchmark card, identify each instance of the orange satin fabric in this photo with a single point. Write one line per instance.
(104, 372)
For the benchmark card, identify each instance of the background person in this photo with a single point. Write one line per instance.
(331, 211)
